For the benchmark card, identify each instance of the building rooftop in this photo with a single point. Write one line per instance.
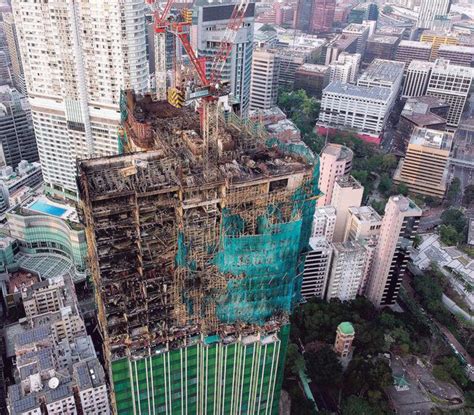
(342, 41)
(20, 280)
(89, 374)
(325, 210)
(457, 49)
(405, 204)
(381, 38)
(416, 65)
(338, 150)
(346, 328)
(470, 235)
(415, 44)
(440, 140)
(33, 335)
(348, 181)
(374, 92)
(365, 214)
(444, 65)
(313, 68)
(355, 28)
(383, 70)
(319, 243)
(418, 110)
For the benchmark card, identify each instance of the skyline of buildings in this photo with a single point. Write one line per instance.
(199, 242)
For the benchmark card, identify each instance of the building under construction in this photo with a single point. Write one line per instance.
(196, 244)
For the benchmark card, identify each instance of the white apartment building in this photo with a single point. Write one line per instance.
(452, 84)
(398, 229)
(347, 270)
(362, 223)
(324, 223)
(335, 161)
(264, 84)
(416, 78)
(345, 68)
(209, 28)
(316, 268)
(76, 57)
(347, 193)
(431, 11)
(347, 106)
(89, 377)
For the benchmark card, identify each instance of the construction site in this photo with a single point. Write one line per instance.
(197, 235)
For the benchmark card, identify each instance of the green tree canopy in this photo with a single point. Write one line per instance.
(323, 366)
(468, 197)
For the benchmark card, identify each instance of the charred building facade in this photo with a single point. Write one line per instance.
(196, 244)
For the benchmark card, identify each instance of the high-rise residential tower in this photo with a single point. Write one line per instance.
(196, 255)
(431, 11)
(264, 85)
(84, 53)
(336, 161)
(208, 32)
(17, 137)
(9, 28)
(322, 15)
(398, 229)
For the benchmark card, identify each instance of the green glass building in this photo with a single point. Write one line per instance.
(197, 259)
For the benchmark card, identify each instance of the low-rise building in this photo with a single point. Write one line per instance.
(312, 78)
(345, 335)
(362, 109)
(424, 169)
(381, 47)
(457, 54)
(409, 50)
(423, 112)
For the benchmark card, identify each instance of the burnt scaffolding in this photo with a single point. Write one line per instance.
(181, 247)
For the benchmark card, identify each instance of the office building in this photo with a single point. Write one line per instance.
(346, 106)
(335, 161)
(347, 270)
(398, 229)
(347, 193)
(381, 47)
(424, 112)
(363, 12)
(312, 78)
(345, 335)
(363, 222)
(431, 11)
(90, 51)
(345, 68)
(316, 268)
(409, 50)
(17, 137)
(167, 237)
(265, 74)
(5, 73)
(341, 43)
(209, 28)
(417, 78)
(315, 16)
(322, 15)
(424, 169)
(437, 39)
(362, 32)
(324, 223)
(290, 60)
(451, 83)
(17, 74)
(457, 54)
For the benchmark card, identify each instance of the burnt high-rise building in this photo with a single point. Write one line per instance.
(196, 248)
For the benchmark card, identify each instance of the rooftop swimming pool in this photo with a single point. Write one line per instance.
(42, 207)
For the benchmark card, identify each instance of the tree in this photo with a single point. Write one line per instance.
(402, 189)
(468, 197)
(452, 366)
(385, 183)
(357, 406)
(314, 142)
(454, 189)
(323, 366)
(300, 108)
(294, 360)
(379, 206)
(389, 162)
(455, 218)
(388, 9)
(448, 235)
